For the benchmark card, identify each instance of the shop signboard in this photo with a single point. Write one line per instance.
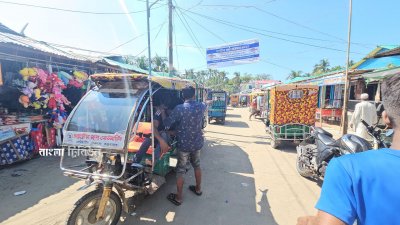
(231, 54)
(329, 80)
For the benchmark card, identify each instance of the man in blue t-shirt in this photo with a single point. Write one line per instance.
(365, 187)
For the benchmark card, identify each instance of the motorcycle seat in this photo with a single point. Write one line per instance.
(327, 140)
(322, 131)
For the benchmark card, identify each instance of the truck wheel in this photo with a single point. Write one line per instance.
(85, 209)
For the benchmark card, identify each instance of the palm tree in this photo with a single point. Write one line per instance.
(317, 69)
(236, 80)
(142, 62)
(159, 64)
(189, 74)
(293, 74)
(324, 65)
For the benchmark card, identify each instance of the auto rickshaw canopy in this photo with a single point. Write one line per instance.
(174, 83)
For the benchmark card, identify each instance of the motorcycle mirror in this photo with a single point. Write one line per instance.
(389, 133)
(379, 110)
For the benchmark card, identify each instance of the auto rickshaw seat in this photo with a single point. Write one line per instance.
(144, 129)
(134, 146)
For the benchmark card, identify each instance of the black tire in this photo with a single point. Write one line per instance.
(223, 121)
(88, 198)
(209, 120)
(274, 144)
(300, 166)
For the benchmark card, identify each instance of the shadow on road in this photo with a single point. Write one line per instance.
(229, 193)
(239, 124)
(229, 134)
(288, 146)
(233, 115)
(40, 178)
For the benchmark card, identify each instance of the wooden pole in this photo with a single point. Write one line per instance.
(344, 122)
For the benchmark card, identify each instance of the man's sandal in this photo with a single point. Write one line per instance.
(193, 189)
(172, 198)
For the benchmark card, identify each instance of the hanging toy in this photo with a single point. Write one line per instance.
(80, 76)
(24, 100)
(28, 90)
(24, 73)
(37, 93)
(52, 103)
(42, 75)
(65, 77)
(36, 105)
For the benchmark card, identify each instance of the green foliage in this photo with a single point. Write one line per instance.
(219, 80)
(293, 74)
(158, 63)
(322, 67)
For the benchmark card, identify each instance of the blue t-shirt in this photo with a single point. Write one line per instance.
(363, 187)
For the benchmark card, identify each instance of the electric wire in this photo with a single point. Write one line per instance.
(74, 11)
(288, 21)
(242, 27)
(136, 37)
(277, 65)
(155, 38)
(209, 31)
(190, 34)
(190, 29)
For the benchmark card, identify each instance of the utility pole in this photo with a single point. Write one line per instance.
(344, 124)
(148, 7)
(170, 40)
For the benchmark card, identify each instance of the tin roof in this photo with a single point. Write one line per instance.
(18, 40)
(379, 59)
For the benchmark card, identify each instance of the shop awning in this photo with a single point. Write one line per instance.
(327, 80)
(133, 68)
(381, 74)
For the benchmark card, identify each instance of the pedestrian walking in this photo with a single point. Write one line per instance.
(253, 108)
(364, 111)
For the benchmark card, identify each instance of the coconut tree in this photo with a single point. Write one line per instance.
(293, 74)
(324, 65)
(159, 63)
(142, 62)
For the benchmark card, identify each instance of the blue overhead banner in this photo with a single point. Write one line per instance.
(231, 54)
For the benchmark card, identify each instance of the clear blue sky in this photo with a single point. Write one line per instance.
(374, 23)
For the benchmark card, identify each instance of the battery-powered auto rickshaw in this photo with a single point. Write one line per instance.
(217, 106)
(292, 112)
(108, 126)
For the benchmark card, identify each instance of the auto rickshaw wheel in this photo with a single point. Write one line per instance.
(85, 210)
(223, 121)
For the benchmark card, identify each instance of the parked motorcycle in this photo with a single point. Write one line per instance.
(382, 138)
(314, 153)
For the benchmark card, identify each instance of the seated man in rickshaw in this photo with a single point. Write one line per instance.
(162, 137)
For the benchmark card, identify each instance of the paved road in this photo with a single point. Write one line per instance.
(245, 183)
